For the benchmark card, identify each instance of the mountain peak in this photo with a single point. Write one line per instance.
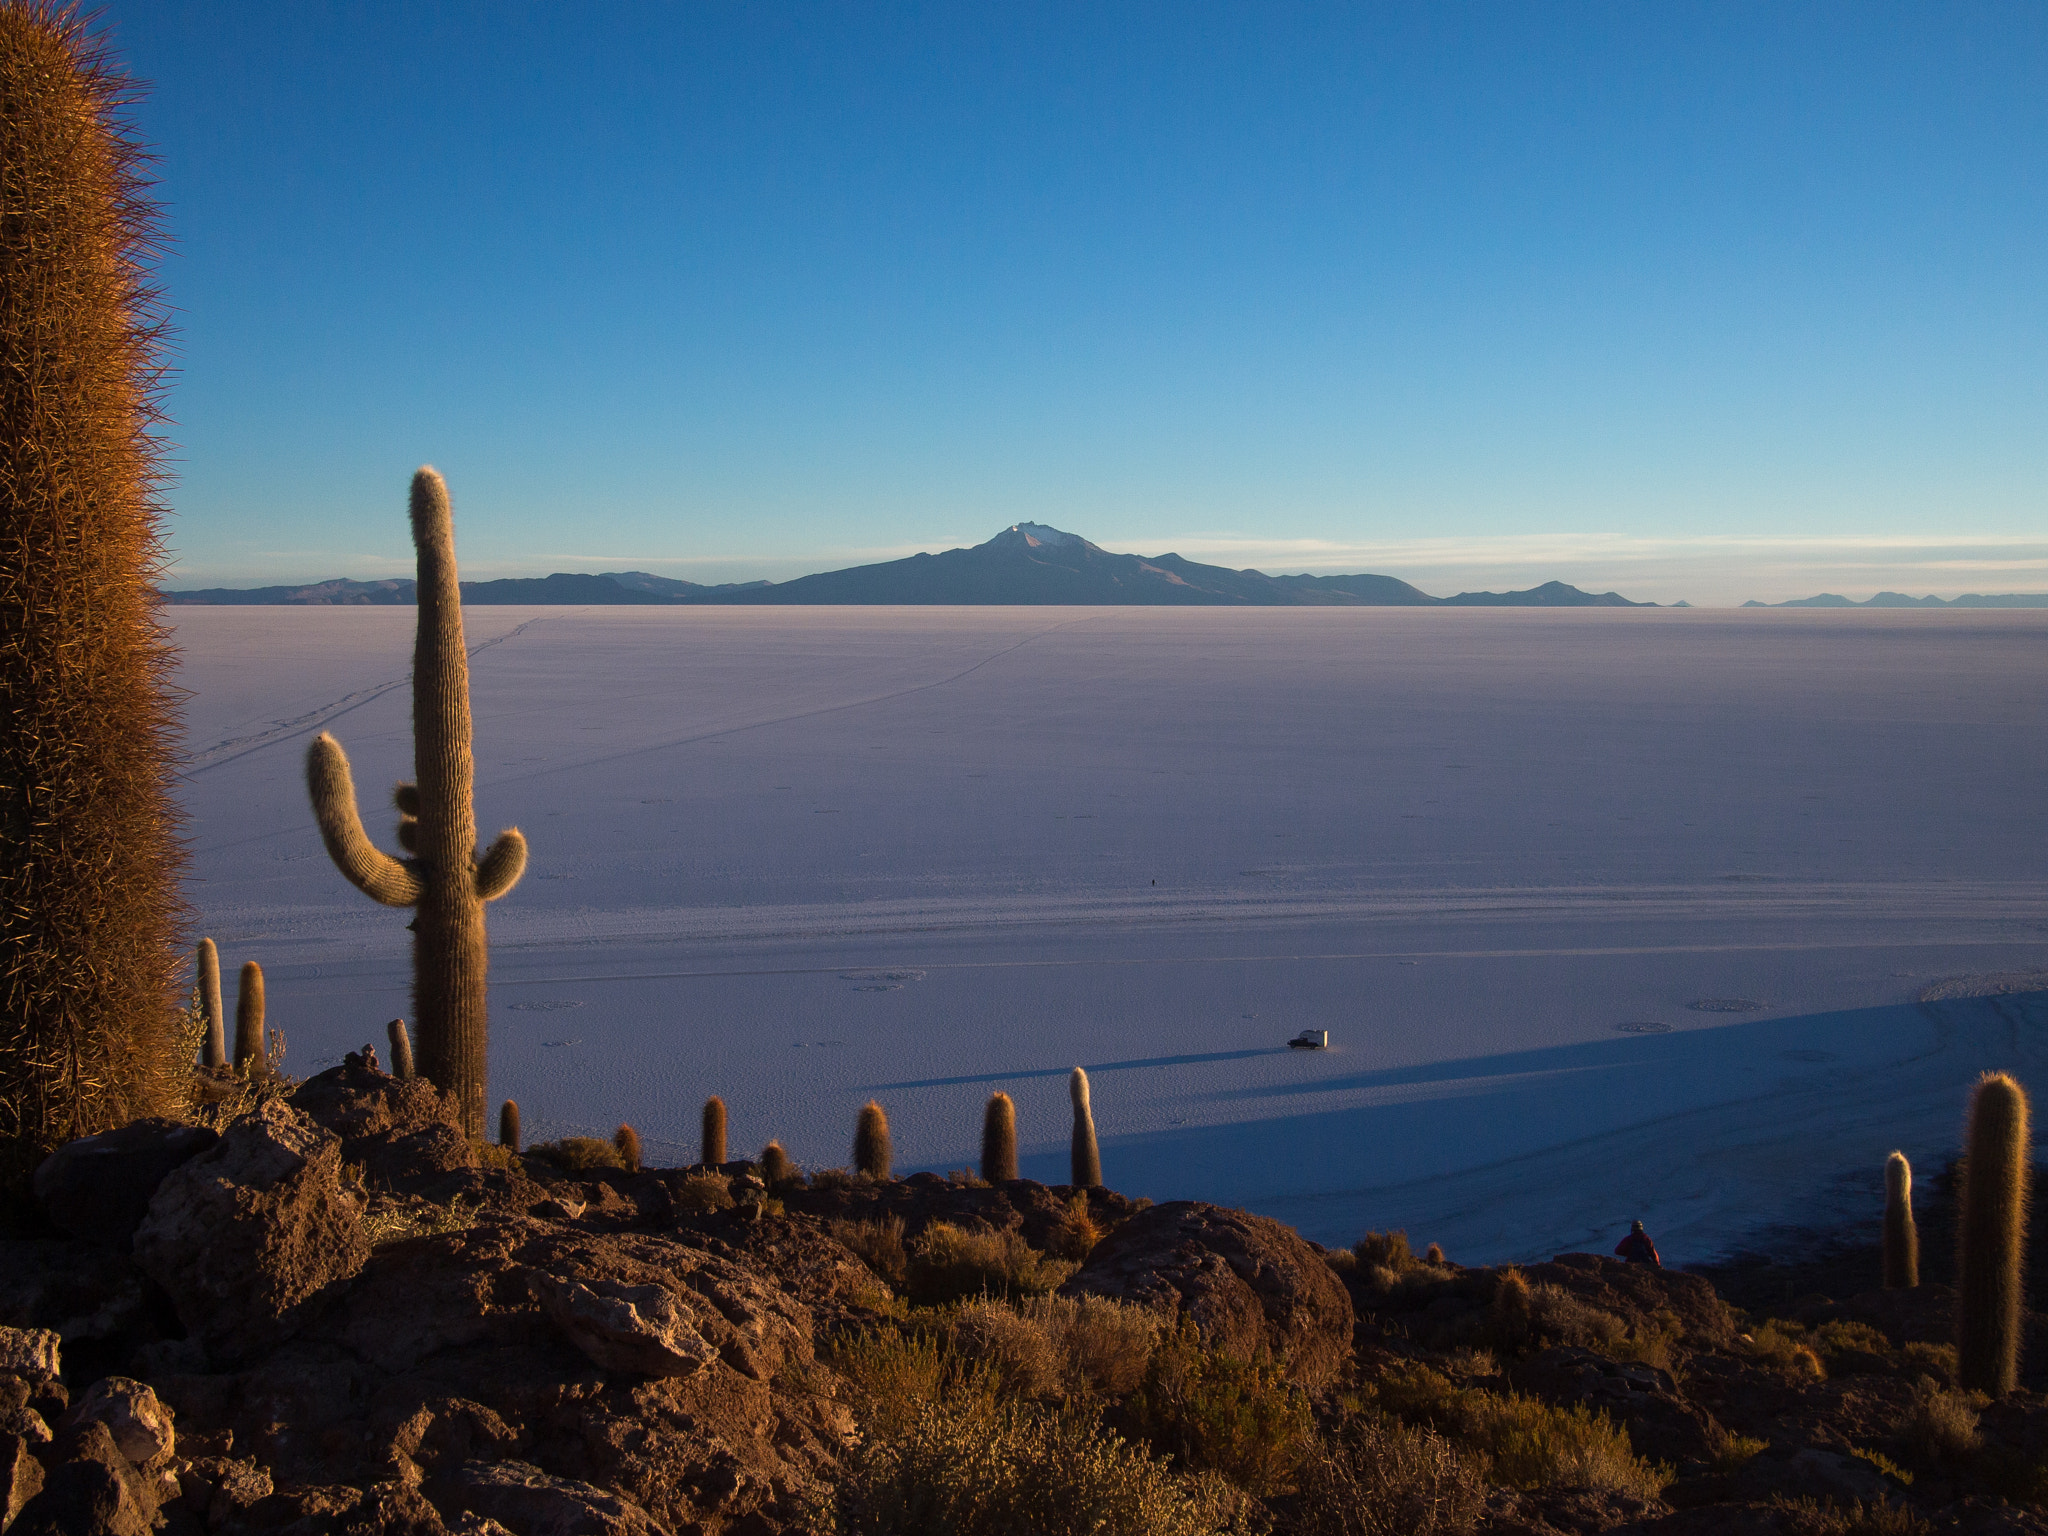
(1037, 536)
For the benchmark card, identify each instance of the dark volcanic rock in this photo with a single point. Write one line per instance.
(1636, 1293)
(1251, 1285)
(90, 1489)
(98, 1187)
(527, 1499)
(402, 1132)
(248, 1237)
(1644, 1400)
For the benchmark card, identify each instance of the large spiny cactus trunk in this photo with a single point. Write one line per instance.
(450, 957)
(90, 858)
(444, 878)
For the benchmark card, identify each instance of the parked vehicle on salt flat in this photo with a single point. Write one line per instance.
(1310, 1040)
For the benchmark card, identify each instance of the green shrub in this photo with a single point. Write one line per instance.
(976, 1472)
(1015, 1345)
(1380, 1477)
(949, 1263)
(1728, 1452)
(1210, 1412)
(578, 1154)
(896, 1376)
(1784, 1345)
(1851, 1349)
(1104, 1346)
(1935, 1362)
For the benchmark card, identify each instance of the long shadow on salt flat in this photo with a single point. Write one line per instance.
(1841, 1041)
(1091, 1066)
(1709, 1133)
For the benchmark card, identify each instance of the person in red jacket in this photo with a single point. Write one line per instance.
(1637, 1247)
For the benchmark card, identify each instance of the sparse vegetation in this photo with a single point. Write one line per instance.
(879, 1244)
(951, 1263)
(578, 1154)
(1241, 1420)
(1380, 1477)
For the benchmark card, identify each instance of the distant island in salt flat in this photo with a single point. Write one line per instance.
(1028, 563)
(1900, 600)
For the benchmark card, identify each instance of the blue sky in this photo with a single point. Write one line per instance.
(1705, 301)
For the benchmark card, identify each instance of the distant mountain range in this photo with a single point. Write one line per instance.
(1900, 600)
(1027, 564)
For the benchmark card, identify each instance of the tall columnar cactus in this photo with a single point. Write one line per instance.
(1087, 1160)
(91, 958)
(214, 1053)
(713, 1144)
(443, 878)
(401, 1048)
(1901, 1237)
(508, 1125)
(999, 1139)
(872, 1154)
(250, 1056)
(1991, 1237)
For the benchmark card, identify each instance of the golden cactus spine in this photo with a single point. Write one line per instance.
(872, 1153)
(91, 960)
(250, 1056)
(999, 1139)
(1991, 1238)
(444, 878)
(1901, 1236)
(214, 1053)
(1087, 1156)
(712, 1145)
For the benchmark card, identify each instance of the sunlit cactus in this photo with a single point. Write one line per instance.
(443, 875)
(1087, 1157)
(999, 1139)
(1901, 1237)
(871, 1151)
(401, 1048)
(713, 1143)
(91, 958)
(250, 1057)
(776, 1168)
(627, 1140)
(1991, 1238)
(508, 1125)
(214, 1052)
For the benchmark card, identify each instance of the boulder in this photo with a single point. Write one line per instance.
(140, 1425)
(249, 1237)
(1643, 1399)
(526, 1499)
(640, 1329)
(1251, 1285)
(31, 1353)
(402, 1132)
(21, 1477)
(79, 1291)
(90, 1489)
(98, 1188)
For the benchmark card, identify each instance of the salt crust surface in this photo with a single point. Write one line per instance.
(801, 857)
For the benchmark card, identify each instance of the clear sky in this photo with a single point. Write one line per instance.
(1697, 300)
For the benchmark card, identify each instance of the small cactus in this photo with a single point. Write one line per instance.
(508, 1125)
(713, 1146)
(249, 1057)
(627, 1140)
(1087, 1161)
(871, 1154)
(1433, 1254)
(214, 1053)
(1513, 1311)
(401, 1048)
(1991, 1238)
(999, 1139)
(1901, 1237)
(776, 1168)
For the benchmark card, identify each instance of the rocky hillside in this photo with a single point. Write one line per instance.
(338, 1315)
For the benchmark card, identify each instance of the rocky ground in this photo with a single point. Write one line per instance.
(339, 1315)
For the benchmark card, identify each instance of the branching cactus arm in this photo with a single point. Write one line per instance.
(501, 866)
(368, 868)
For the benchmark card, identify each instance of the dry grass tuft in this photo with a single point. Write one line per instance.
(578, 1154)
(702, 1192)
(1076, 1234)
(1941, 1426)
(1380, 1477)
(878, 1244)
(949, 1263)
